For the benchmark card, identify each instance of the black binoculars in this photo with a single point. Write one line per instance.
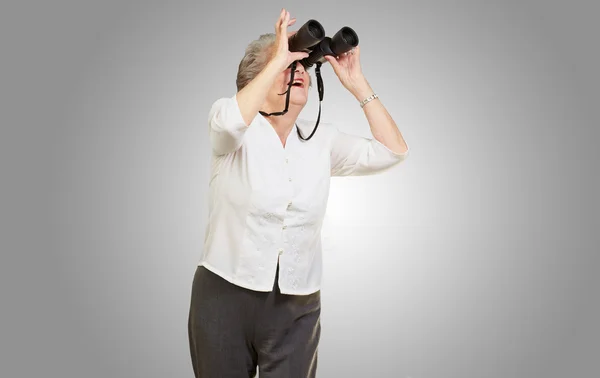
(311, 38)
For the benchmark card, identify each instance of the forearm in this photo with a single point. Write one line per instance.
(252, 96)
(383, 127)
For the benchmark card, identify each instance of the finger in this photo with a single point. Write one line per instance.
(299, 55)
(333, 61)
(278, 22)
(281, 16)
(286, 19)
(292, 21)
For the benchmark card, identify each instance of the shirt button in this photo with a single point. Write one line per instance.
(284, 227)
(286, 160)
(289, 203)
(280, 251)
(290, 179)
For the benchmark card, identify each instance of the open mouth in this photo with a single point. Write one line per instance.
(298, 83)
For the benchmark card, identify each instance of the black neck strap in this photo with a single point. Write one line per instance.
(287, 98)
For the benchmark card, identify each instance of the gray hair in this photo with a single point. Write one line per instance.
(256, 57)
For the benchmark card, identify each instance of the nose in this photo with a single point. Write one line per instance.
(300, 68)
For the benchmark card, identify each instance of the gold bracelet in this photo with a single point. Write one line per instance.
(368, 99)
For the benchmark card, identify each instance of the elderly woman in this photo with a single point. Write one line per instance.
(255, 298)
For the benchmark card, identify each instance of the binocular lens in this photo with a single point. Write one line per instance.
(311, 33)
(344, 40)
(315, 30)
(349, 36)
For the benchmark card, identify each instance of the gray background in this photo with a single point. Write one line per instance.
(477, 257)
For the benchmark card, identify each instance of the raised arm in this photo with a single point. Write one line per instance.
(384, 129)
(352, 155)
(230, 118)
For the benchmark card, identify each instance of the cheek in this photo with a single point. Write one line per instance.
(281, 82)
(279, 86)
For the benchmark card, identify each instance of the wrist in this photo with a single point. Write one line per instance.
(361, 89)
(275, 66)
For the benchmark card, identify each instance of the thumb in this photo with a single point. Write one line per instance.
(299, 55)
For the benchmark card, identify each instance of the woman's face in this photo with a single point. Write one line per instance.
(299, 91)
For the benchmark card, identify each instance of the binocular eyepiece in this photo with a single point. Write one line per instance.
(312, 39)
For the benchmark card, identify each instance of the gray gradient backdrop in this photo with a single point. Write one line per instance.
(476, 258)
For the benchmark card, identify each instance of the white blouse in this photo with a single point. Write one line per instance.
(268, 202)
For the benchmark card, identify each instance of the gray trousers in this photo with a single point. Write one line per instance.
(232, 330)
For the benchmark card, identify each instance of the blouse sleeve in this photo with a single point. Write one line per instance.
(353, 155)
(226, 126)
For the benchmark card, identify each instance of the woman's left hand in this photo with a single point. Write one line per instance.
(348, 70)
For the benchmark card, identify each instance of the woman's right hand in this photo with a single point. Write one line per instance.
(282, 57)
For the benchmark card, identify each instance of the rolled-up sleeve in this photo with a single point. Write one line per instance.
(226, 126)
(353, 155)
